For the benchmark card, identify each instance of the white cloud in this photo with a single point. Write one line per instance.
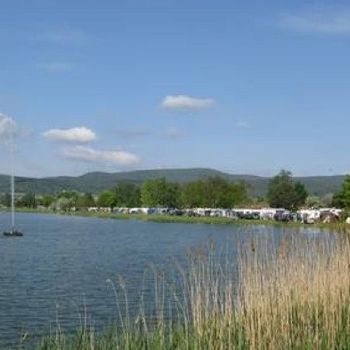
(78, 134)
(319, 22)
(89, 154)
(8, 127)
(56, 67)
(183, 102)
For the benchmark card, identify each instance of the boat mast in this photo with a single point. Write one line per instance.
(12, 184)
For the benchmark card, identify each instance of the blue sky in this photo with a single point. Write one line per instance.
(240, 86)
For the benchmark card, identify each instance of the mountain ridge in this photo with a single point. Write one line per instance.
(98, 181)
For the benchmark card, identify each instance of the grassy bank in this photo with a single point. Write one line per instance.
(295, 297)
(336, 227)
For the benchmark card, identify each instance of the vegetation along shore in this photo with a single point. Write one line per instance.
(333, 227)
(212, 201)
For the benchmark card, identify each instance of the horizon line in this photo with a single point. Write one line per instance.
(168, 169)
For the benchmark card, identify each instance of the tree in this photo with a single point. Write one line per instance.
(172, 195)
(300, 195)
(47, 200)
(62, 203)
(338, 200)
(159, 192)
(71, 195)
(85, 201)
(6, 200)
(221, 193)
(326, 200)
(127, 195)
(193, 194)
(342, 198)
(346, 192)
(107, 199)
(313, 202)
(66, 200)
(214, 192)
(283, 193)
(28, 200)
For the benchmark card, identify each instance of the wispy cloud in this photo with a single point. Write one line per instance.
(323, 22)
(78, 134)
(8, 127)
(64, 36)
(89, 154)
(173, 133)
(55, 67)
(241, 124)
(183, 102)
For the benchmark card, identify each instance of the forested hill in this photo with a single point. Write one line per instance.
(97, 181)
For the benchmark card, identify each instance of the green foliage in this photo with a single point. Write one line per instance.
(215, 192)
(300, 195)
(28, 201)
(65, 200)
(46, 200)
(325, 201)
(313, 202)
(98, 181)
(223, 194)
(107, 199)
(85, 201)
(6, 200)
(342, 198)
(63, 203)
(193, 195)
(160, 193)
(73, 195)
(284, 193)
(338, 200)
(127, 195)
(70, 199)
(346, 192)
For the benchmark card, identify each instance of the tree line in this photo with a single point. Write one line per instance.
(214, 192)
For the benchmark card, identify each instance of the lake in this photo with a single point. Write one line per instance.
(62, 265)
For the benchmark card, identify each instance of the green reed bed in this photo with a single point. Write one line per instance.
(293, 296)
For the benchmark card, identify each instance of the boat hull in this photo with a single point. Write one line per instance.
(13, 234)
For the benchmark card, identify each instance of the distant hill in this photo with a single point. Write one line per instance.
(96, 182)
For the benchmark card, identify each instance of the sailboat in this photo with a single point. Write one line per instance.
(13, 232)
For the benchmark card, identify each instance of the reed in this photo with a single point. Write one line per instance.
(290, 295)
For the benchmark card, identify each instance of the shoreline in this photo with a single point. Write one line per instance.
(339, 227)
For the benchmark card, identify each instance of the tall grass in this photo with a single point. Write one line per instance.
(295, 295)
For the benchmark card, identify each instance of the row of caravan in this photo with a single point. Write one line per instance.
(309, 216)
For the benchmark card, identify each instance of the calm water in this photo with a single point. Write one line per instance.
(62, 265)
